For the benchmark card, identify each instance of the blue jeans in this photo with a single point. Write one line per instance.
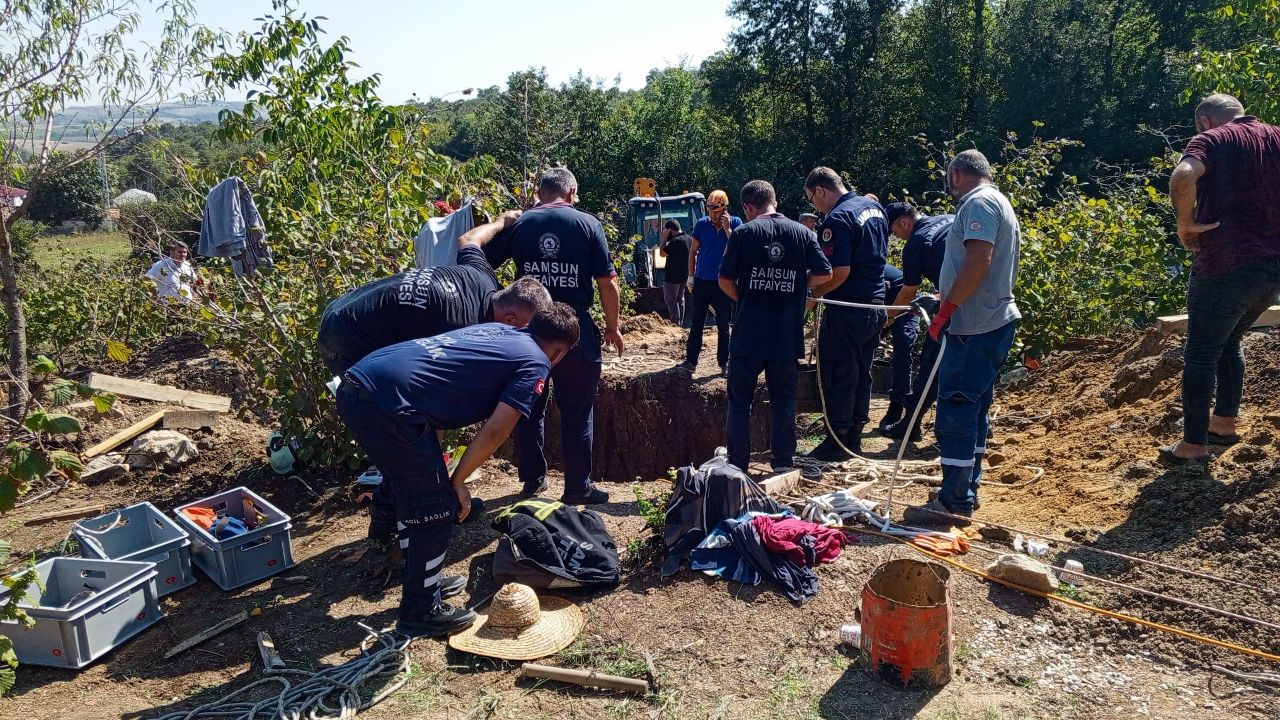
(575, 379)
(707, 293)
(905, 331)
(847, 346)
(780, 377)
(966, 381)
(415, 478)
(1220, 310)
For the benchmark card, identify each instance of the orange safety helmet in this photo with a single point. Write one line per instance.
(718, 200)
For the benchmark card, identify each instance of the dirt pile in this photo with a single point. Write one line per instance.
(184, 361)
(1093, 418)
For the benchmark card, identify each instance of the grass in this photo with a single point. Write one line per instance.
(784, 698)
(55, 251)
(423, 692)
(486, 705)
(608, 659)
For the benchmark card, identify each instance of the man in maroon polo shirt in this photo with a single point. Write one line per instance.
(1226, 195)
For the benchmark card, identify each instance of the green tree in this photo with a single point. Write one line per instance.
(57, 52)
(76, 192)
(1249, 66)
(343, 183)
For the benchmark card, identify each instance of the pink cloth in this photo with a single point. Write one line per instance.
(785, 537)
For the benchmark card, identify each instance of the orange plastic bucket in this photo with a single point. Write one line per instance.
(906, 624)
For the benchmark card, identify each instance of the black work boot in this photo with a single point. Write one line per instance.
(898, 430)
(893, 415)
(853, 439)
(445, 619)
(829, 450)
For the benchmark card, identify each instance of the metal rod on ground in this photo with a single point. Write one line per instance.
(584, 677)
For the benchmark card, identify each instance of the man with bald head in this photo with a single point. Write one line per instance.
(1226, 196)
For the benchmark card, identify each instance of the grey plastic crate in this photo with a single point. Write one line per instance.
(143, 534)
(262, 552)
(87, 608)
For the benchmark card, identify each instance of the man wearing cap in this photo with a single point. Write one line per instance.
(565, 249)
(710, 237)
(768, 267)
(395, 400)
(854, 237)
(810, 221)
(979, 316)
(675, 248)
(922, 257)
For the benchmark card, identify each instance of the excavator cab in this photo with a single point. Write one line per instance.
(645, 217)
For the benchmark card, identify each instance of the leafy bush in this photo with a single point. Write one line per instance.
(72, 315)
(1091, 264)
(75, 193)
(151, 227)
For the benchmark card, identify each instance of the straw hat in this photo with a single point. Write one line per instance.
(521, 626)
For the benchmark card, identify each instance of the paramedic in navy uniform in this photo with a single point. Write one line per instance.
(769, 265)
(855, 238)
(565, 249)
(393, 402)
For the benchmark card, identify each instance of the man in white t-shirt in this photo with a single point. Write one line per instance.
(174, 276)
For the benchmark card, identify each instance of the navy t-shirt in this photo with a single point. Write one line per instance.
(923, 253)
(770, 258)
(677, 270)
(711, 245)
(456, 379)
(413, 304)
(563, 248)
(855, 234)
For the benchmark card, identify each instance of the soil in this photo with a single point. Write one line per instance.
(1092, 418)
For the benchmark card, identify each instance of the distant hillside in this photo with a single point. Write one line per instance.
(82, 124)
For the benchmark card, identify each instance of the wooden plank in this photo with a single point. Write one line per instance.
(158, 393)
(267, 648)
(1177, 324)
(787, 483)
(190, 419)
(69, 514)
(126, 434)
(207, 633)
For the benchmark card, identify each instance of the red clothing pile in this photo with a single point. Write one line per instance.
(802, 542)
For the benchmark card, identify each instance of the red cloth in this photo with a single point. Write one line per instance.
(782, 537)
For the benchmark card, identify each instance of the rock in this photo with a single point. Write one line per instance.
(995, 459)
(994, 533)
(1038, 431)
(104, 468)
(163, 449)
(1139, 471)
(1022, 570)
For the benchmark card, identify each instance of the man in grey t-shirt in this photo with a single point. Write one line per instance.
(979, 316)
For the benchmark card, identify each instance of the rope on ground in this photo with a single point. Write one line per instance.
(333, 693)
(637, 364)
(1055, 597)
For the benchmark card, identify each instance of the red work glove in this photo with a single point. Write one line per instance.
(942, 319)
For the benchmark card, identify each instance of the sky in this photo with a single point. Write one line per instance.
(435, 47)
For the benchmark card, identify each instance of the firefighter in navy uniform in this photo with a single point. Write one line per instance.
(564, 249)
(855, 238)
(769, 265)
(396, 399)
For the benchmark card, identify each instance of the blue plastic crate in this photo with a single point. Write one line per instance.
(248, 557)
(87, 608)
(143, 534)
